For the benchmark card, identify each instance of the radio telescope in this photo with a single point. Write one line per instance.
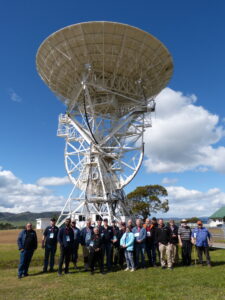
(107, 74)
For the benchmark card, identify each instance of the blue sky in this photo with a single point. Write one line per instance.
(193, 172)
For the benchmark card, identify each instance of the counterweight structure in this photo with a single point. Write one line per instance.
(108, 75)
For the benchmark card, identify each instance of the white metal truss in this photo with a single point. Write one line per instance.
(103, 151)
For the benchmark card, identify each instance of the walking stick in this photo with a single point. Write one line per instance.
(195, 255)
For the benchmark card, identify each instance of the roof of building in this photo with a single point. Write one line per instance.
(220, 213)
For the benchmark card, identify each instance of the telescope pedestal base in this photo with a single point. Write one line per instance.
(84, 210)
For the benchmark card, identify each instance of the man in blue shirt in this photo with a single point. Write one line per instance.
(201, 238)
(139, 243)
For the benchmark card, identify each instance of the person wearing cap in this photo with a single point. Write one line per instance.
(174, 241)
(150, 242)
(76, 243)
(85, 238)
(201, 238)
(184, 237)
(65, 239)
(49, 243)
(107, 243)
(127, 243)
(139, 243)
(115, 243)
(95, 251)
(163, 237)
(27, 244)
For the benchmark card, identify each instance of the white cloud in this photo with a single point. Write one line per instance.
(194, 203)
(167, 180)
(183, 136)
(52, 181)
(16, 196)
(14, 96)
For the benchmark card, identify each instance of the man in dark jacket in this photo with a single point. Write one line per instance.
(95, 251)
(115, 243)
(100, 227)
(150, 242)
(76, 243)
(107, 243)
(27, 243)
(49, 243)
(65, 239)
(163, 237)
(174, 241)
(121, 232)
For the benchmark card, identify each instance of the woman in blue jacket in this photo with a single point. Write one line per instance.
(127, 242)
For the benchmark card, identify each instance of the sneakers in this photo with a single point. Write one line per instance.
(132, 270)
(127, 269)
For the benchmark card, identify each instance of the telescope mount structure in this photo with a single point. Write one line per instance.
(107, 74)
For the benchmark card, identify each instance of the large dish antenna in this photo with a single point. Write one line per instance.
(108, 75)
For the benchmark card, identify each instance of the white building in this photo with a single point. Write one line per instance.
(42, 223)
(218, 218)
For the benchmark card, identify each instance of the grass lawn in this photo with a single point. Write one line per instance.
(195, 282)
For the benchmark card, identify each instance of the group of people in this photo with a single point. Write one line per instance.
(115, 244)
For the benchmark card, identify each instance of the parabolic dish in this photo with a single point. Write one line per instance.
(120, 58)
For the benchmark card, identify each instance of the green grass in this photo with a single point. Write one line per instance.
(195, 282)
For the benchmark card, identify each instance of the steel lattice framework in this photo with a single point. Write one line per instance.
(108, 75)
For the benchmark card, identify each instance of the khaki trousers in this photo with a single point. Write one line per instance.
(165, 250)
(174, 253)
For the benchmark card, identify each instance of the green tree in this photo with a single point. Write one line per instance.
(192, 220)
(148, 199)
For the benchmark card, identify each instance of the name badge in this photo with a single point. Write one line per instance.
(195, 234)
(68, 238)
(102, 234)
(114, 238)
(148, 233)
(109, 230)
(136, 234)
(51, 236)
(91, 243)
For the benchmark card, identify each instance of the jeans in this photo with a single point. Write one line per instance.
(200, 251)
(174, 253)
(140, 250)
(49, 251)
(129, 259)
(151, 252)
(25, 259)
(107, 249)
(65, 254)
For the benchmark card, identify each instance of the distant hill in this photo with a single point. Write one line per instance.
(24, 217)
